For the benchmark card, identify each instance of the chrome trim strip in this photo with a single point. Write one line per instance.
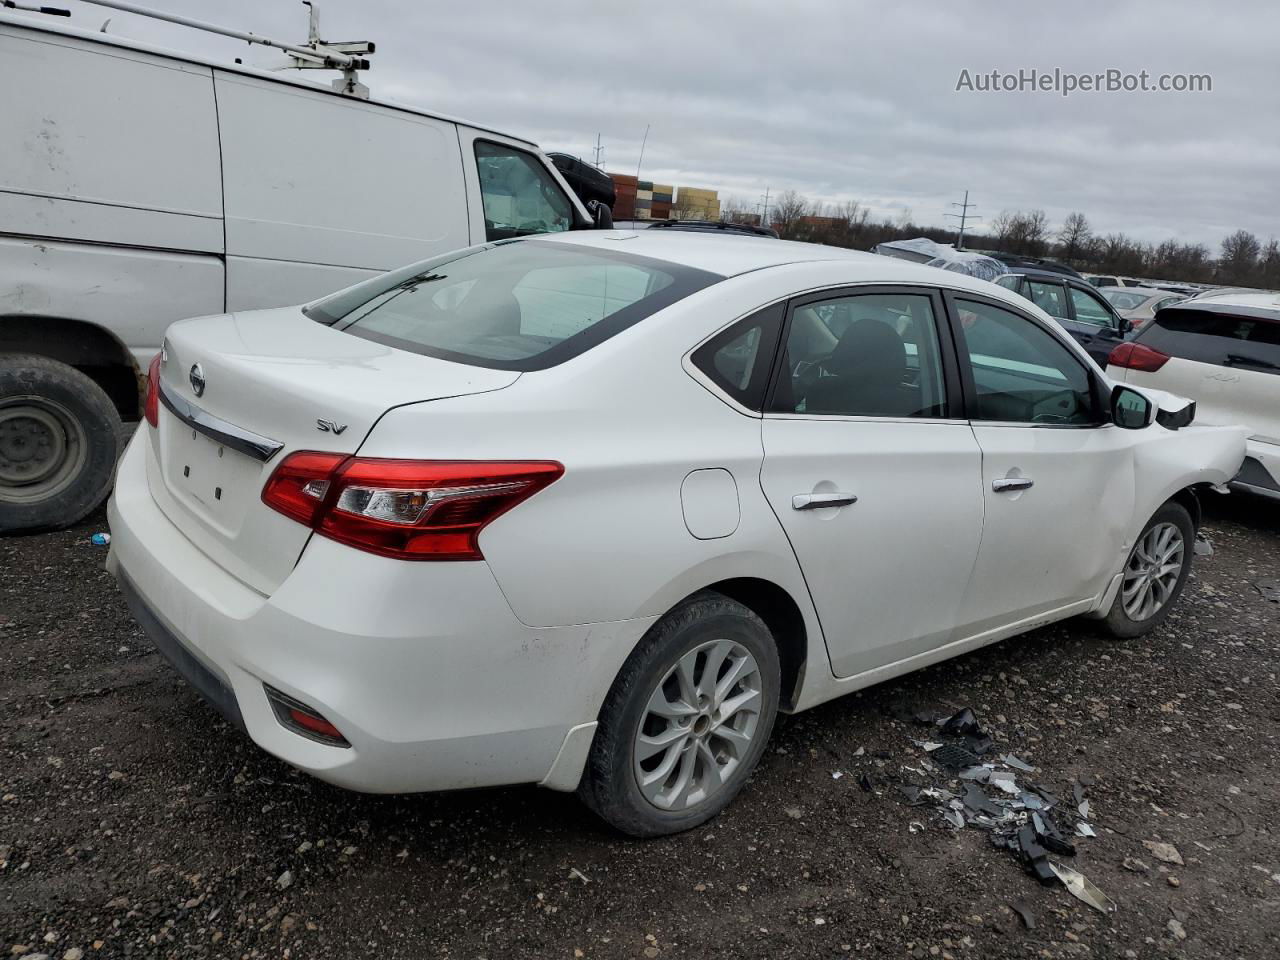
(228, 434)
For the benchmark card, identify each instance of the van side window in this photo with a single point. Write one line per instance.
(520, 196)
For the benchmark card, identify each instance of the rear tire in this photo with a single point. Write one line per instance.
(1151, 585)
(686, 720)
(59, 438)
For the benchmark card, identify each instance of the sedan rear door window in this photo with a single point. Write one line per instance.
(870, 355)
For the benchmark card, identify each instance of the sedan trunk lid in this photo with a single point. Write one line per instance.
(241, 391)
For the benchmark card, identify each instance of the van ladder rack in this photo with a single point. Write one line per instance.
(315, 54)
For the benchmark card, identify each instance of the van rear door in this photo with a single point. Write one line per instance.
(324, 190)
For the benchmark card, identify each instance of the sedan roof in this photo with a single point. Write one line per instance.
(731, 255)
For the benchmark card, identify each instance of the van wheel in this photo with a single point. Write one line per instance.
(1154, 574)
(686, 720)
(59, 436)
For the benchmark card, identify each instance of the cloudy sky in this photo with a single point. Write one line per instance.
(839, 99)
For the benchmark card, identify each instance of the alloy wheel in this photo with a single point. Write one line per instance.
(698, 725)
(1151, 575)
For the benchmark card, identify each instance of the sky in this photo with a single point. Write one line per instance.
(837, 99)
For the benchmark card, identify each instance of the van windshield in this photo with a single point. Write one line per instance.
(513, 305)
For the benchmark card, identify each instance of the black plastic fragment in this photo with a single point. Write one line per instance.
(976, 799)
(1034, 856)
(954, 758)
(864, 781)
(1023, 911)
(1050, 836)
(960, 723)
(979, 744)
(912, 793)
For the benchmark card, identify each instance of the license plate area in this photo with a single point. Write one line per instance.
(210, 478)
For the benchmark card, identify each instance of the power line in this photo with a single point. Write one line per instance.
(964, 217)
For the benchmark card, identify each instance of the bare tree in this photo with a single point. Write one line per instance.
(1074, 235)
(785, 214)
(1239, 258)
(1002, 228)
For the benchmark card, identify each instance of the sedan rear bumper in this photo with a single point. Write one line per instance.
(423, 667)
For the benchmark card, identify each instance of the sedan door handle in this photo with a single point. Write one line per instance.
(1006, 484)
(816, 501)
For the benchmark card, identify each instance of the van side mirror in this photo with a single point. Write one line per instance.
(601, 215)
(1130, 409)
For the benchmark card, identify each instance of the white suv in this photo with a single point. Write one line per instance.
(1223, 351)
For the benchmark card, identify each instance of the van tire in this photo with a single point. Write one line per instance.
(610, 784)
(59, 440)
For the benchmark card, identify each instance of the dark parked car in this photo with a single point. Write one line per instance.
(1075, 304)
(584, 179)
(1017, 261)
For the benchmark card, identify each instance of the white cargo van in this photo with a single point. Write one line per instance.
(139, 186)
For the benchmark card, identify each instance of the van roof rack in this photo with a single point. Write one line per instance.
(315, 54)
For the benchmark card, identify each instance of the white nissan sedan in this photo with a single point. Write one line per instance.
(588, 510)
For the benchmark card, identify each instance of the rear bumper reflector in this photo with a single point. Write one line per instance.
(303, 720)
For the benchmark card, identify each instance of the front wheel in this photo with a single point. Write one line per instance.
(686, 720)
(1154, 574)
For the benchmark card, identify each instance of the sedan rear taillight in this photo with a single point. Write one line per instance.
(151, 409)
(407, 509)
(1137, 356)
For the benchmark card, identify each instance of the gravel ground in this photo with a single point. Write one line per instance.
(134, 822)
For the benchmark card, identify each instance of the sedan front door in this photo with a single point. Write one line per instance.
(873, 472)
(1057, 478)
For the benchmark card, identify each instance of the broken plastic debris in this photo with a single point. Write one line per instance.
(953, 757)
(1203, 546)
(915, 826)
(1079, 886)
(1004, 780)
(980, 774)
(955, 818)
(1084, 830)
(1269, 589)
(1023, 911)
(864, 781)
(926, 745)
(836, 774)
(960, 723)
(981, 744)
(100, 539)
(976, 799)
(1164, 851)
(1010, 760)
(1084, 809)
(1031, 801)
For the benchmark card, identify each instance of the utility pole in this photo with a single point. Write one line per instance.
(599, 149)
(763, 207)
(963, 216)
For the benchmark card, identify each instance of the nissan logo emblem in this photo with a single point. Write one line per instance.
(197, 380)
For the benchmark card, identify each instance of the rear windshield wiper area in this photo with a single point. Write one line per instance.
(1239, 360)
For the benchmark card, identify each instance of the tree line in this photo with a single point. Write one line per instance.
(1242, 260)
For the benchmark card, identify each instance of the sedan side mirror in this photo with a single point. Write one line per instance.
(1130, 409)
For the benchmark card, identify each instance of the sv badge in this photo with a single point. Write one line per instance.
(329, 426)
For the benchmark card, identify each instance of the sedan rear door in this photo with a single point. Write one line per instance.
(872, 470)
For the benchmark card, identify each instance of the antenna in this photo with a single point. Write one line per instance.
(314, 55)
(642, 143)
(963, 217)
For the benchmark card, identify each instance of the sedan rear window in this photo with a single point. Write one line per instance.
(517, 305)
